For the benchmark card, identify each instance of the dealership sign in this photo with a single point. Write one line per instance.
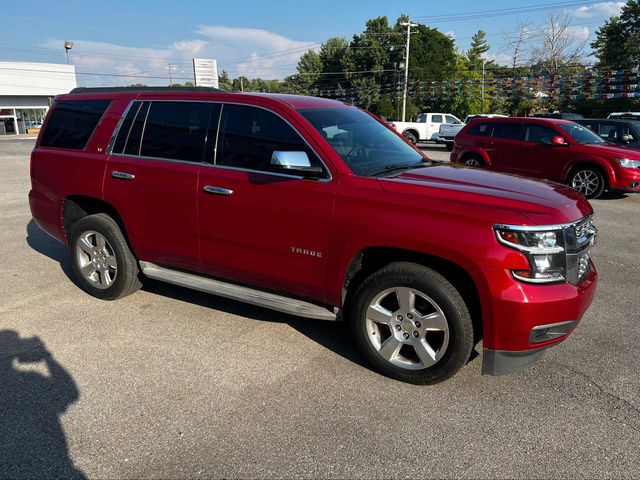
(205, 72)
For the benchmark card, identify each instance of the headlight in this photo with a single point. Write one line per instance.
(627, 163)
(544, 249)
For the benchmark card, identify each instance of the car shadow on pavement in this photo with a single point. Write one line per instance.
(334, 336)
(32, 441)
(42, 243)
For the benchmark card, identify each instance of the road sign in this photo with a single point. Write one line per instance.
(205, 72)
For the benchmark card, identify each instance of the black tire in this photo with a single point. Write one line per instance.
(587, 180)
(473, 161)
(411, 137)
(125, 276)
(425, 282)
(449, 146)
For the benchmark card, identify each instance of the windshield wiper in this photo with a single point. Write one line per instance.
(394, 167)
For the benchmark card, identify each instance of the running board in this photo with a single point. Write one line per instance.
(273, 301)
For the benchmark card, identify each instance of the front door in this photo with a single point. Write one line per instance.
(259, 226)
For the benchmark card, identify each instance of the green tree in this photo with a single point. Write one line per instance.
(309, 71)
(617, 43)
(224, 81)
(477, 52)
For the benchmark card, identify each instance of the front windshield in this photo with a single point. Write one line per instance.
(582, 135)
(366, 146)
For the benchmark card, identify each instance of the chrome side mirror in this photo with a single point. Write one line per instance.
(296, 163)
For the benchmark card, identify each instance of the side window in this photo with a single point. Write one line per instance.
(422, 118)
(176, 130)
(508, 131)
(436, 118)
(249, 136)
(540, 134)
(132, 147)
(125, 127)
(481, 129)
(611, 132)
(451, 119)
(72, 122)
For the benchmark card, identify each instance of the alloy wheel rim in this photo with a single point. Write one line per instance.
(586, 182)
(472, 162)
(96, 259)
(407, 328)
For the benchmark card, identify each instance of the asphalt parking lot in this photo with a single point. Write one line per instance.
(174, 383)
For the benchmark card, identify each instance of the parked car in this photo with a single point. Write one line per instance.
(426, 128)
(449, 130)
(560, 115)
(620, 132)
(314, 208)
(557, 150)
(625, 115)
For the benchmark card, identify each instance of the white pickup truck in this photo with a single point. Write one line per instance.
(426, 128)
(449, 130)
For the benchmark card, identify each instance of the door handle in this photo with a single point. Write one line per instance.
(123, 175)
(217, 190)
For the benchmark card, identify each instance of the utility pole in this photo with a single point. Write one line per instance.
(241, 84)
(482, 86)
(406, 66)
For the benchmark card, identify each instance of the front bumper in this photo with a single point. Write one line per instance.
(529, 318)
(627, 180)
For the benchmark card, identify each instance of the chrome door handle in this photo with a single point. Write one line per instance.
(123, 175)
(217, 190)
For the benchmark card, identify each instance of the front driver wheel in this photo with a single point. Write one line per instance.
(411, 324)
(588, 181)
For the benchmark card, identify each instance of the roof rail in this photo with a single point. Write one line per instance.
(145, 89)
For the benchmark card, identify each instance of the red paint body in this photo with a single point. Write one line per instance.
(445, 211)
(551, 162)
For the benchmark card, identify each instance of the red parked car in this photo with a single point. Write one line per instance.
(314, 208)
(553, 149)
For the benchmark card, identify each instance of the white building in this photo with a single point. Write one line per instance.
(27, 90)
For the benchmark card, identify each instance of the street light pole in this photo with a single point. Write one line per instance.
(482, 86)
(68, 46)
(406, 66)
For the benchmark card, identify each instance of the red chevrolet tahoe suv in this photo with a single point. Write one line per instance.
(314, 208)
(554, 149)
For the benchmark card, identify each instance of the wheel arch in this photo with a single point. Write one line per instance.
(604, 168)
(76, 207)
(371, 259)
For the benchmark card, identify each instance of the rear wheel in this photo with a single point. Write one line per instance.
(101, 258)
(588, 181)
(411, 137)
(411, 324)
(473, 161)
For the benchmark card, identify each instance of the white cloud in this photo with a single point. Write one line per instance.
(578, 32)
(500, 58)
(240, 51)
(598, 10)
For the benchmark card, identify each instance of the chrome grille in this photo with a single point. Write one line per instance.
(579, 240)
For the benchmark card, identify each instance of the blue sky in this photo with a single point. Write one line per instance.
(135, 41)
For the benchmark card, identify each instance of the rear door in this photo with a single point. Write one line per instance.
(433, 127)
(508, 146)
(152, 177)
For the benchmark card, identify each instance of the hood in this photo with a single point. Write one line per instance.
(495, 195)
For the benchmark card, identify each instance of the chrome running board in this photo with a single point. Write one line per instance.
(273, 301)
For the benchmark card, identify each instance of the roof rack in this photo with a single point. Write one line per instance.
(145, 89)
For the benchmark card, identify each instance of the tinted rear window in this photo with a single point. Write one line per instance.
(508, 131)
(176, 130)
(481, 129)
(72, 122)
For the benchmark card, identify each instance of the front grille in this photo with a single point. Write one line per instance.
(579, 240)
